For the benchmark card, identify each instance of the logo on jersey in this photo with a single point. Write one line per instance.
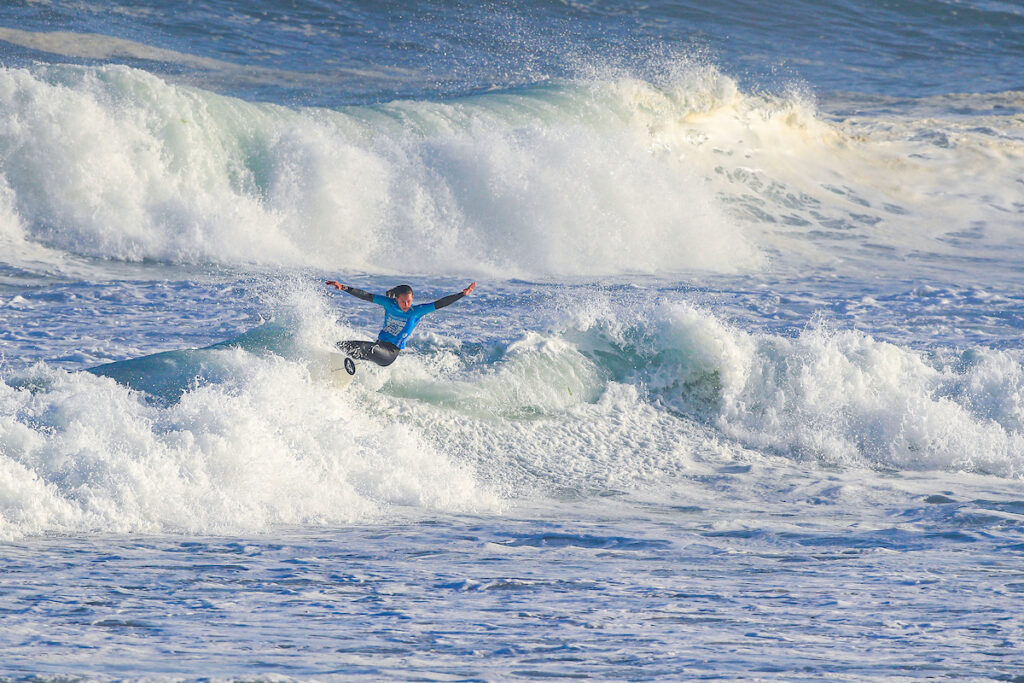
(394, 325)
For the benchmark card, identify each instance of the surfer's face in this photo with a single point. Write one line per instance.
(404, 301)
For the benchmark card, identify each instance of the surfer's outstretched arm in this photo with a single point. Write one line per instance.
(452, 298)
(358, 293)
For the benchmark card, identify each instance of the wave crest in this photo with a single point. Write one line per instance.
(838, 397)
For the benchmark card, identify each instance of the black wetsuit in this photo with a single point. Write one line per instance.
(398, 325)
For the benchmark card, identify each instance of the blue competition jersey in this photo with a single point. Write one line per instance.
(399, 324)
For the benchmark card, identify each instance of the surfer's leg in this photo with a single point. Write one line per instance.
(360, 350)
(380, 352)
(384, 353)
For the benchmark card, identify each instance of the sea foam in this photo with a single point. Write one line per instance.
(251, 433)
(264, 446)
(838, 397)
(608, 175)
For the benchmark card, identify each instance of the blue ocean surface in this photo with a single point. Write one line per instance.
(739, 394)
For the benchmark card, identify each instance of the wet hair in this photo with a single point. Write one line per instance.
(398, 291)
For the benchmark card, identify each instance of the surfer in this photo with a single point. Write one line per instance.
(400, 318)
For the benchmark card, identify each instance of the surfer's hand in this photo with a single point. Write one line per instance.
(336, 285)
(469, 290)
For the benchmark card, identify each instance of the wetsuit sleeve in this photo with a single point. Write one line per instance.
(448, 300)
(359, 294)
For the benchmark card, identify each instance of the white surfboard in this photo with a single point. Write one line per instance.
(343, 369)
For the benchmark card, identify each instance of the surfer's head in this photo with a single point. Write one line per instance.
(402, 294)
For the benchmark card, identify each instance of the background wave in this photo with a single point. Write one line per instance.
(584, 178)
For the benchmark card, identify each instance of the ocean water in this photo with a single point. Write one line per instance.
(739, 396)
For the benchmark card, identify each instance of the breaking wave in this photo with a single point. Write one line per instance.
(250, 433)
(608, 175)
